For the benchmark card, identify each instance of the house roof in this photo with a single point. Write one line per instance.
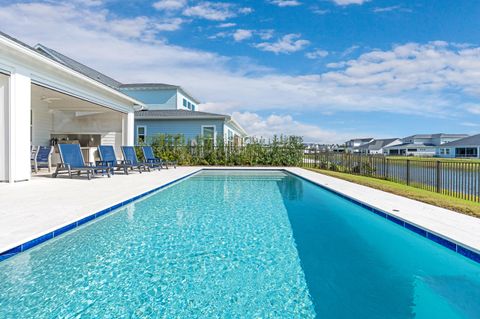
(187, 115)
(473, 140)
(437, 135)
(179, 114)
(411, 145)
(157, 86)
(77, 66)
(365, 139)
(376, 145)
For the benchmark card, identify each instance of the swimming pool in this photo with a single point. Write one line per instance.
(240, 244)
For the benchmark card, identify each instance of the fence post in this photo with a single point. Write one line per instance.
(439, 177)
(408, 172)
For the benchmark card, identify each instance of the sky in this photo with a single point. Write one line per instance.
(327, 70)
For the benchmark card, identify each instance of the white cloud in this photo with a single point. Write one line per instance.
(169, 24)
(474, 109)
(317, 54)
(287, 44)
(242, 34)
(215, 11)
(266, 34)
(169, 4)
(348, 2)
(320, 11)
(286, 3)
(227, 25)
(266, 127)
(391, 8)
(431, 79)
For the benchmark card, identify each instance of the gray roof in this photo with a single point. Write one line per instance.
(77, 66)
(178, 114)
(473, 140)
(411, 145)
(161, 86)
(437, 135)
(377, 144)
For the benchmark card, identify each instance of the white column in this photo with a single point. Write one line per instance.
(4, 120)
(128, 125)
(19, 127)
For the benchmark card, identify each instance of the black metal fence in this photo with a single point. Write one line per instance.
(459, 179)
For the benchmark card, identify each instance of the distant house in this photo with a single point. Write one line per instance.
(352, 145)
(190, 124)
(422, 144)
(378, 146)
(468, 147)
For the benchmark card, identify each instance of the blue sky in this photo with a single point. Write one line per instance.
(325, 69)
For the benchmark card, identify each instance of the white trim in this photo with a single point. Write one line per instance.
(144, 130)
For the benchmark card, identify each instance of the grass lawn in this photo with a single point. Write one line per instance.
(455, 204)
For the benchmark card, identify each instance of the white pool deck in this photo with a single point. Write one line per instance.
(31, 209)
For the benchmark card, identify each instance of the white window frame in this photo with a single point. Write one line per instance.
(144, 133)
(214, 132)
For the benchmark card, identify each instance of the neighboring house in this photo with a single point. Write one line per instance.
(151, 123)
(171, 110)
(422, 144)
(159, 96)
(43, 97)
(352, 145)
(377, 146)
(468, 147)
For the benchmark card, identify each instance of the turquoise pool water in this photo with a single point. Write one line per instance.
(240, 245)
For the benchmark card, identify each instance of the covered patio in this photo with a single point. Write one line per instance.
(61, 118)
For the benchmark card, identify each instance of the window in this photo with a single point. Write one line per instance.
(141, 134)
(466, 152)
(193, 107)
(184, 102)
(208, 134)
(189, 105)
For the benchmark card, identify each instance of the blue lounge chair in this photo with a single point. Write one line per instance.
(108, 158)
(72, 162)
(130, 157)
(150, 158)
(42, 158)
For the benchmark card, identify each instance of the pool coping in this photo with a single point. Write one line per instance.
(444, 240)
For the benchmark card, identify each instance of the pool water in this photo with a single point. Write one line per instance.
(240, 244)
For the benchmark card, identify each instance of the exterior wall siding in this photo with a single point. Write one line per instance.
(190, 129)
(155, 99)
(42, 124)
(4, 88)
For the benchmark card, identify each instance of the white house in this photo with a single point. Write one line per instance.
(378, 146)
(422, 144)
(468, 147)
(42, 99)
(352, 145)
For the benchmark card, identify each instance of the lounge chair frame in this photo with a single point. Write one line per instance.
(88, 169)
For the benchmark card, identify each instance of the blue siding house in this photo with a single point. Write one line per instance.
(172, 110)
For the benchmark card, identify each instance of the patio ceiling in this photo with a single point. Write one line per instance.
(58, 101)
